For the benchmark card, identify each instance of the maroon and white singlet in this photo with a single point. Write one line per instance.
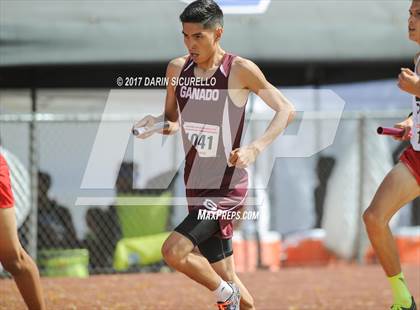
(211, 126)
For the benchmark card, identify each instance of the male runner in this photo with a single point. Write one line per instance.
(211, 118)
(12, 256)
(401, 185)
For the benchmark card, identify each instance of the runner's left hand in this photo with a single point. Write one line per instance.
(406, 125)
(408, 81)
(243, 157)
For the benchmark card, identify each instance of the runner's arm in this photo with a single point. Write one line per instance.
(253, 79)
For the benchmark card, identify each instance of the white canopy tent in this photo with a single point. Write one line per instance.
(71, 32)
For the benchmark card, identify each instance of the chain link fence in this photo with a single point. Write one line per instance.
(92, 239)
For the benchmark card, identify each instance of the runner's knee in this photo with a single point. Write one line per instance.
(172, 254)
(14, 263)
(373, 218)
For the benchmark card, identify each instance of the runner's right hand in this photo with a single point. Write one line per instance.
(147, 122)
(406, 125)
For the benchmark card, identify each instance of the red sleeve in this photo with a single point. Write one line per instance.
(6, 194)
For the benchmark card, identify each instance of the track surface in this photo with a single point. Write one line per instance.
(334, 287)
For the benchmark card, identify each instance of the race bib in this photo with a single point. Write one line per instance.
(205, 138)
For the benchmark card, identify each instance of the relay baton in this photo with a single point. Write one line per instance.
(388, 131)
(137, 131)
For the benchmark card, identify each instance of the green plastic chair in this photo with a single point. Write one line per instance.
(143, 215)
(143, 222)
(139, 251)
(64, 263)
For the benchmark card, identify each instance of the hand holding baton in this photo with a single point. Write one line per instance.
(137, 131)
(388, 131)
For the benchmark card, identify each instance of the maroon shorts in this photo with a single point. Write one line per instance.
(411, 159)
(227, 201)
(6, 195)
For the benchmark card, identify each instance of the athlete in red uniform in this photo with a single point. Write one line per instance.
(12, 256)
(401, 185)
(208, 106)
(6, 195)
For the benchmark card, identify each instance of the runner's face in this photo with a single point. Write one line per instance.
(201, 43)
(414, 22)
